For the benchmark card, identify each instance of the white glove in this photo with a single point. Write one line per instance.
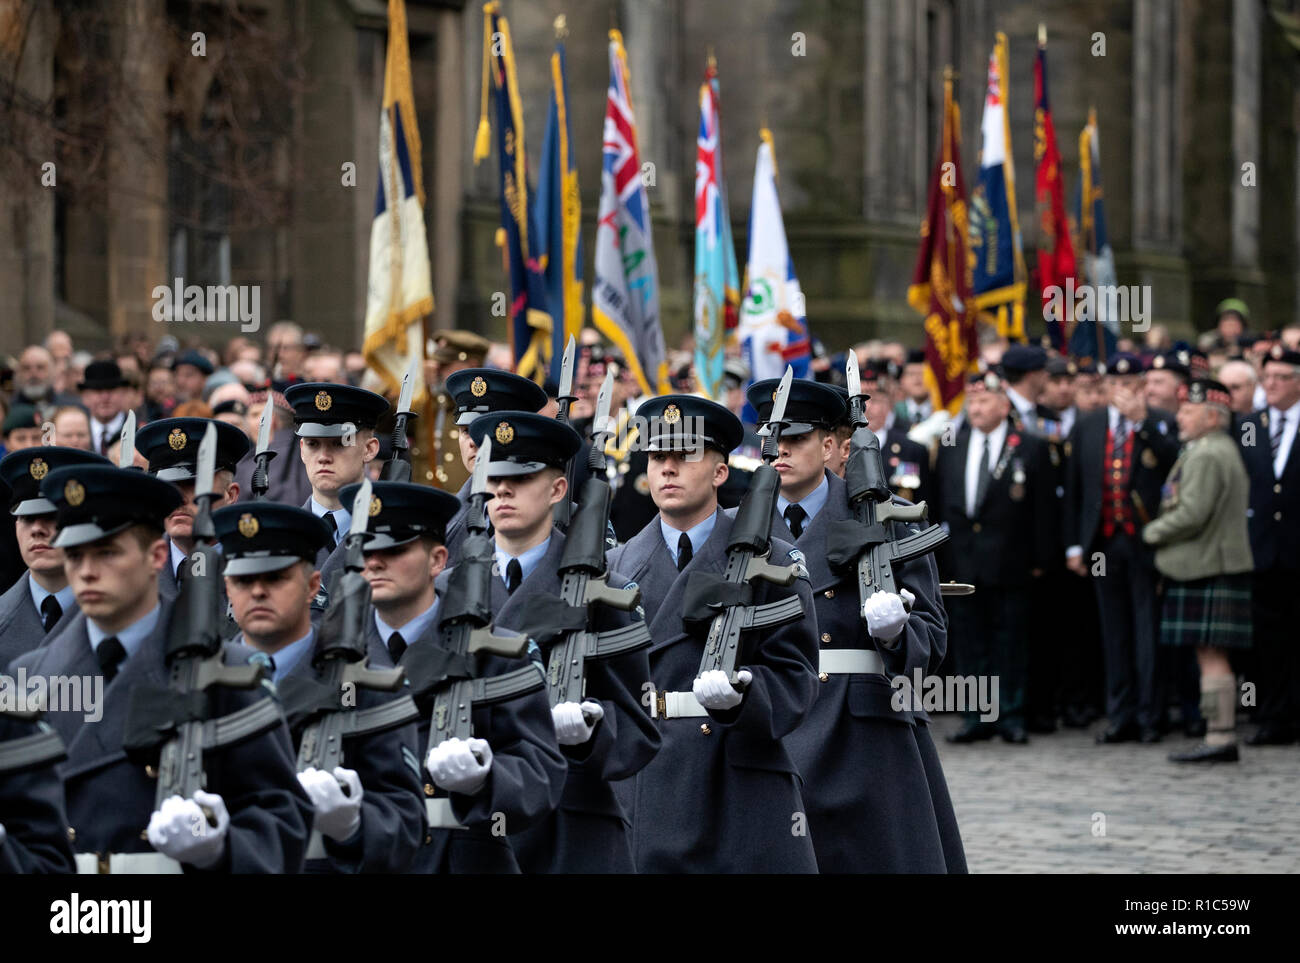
(337, 816)
(886, 614)
(571, 727)
(715, 691)
(453, 765)
(180, 829)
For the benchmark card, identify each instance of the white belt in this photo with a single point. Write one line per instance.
(676, 705)
(851, 661)
(151, 863)
(439, 814)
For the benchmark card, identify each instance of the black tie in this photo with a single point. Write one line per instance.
(684, 551)
(333, 526)
(183, 570)
(396, 646)
(982, 486)
(1275, 441)
(51, 612)
(110, 653)
(794, 517)
(514, 575)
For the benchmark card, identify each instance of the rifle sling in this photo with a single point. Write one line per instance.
(708, 594)
(28, 752)
(550, 617)
(499, 688)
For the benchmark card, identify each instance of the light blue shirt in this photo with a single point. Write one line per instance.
(131, 637)
(698, 535)
(527, 561)
(342, 518)
(288, 658)
(65, 595)
(812, 503)
(412, 630)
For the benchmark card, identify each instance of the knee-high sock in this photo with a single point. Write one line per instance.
(1219, 706)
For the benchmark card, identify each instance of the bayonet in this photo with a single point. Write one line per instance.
(563, 510)
(126, 444)
(398, 468)
(264, 454)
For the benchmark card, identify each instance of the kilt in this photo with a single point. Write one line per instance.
(1214, 612)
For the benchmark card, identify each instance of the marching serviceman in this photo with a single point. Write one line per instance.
(994, 485)
(369, 811)
(469, 815)
(33, 819)
(172, 448)
(335, 425)
(1203, 550)
(41, 601)
(609, 736)
(476, 391)
(111, 528)
(899, 819)
(1120, 456)
(723, 793)
(1268, 442)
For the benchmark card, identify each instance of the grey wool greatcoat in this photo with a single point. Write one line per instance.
(589, 832)
(725, 799)
(392, 796)
(32, 813)
(21, 628)
(522, 787)
(110, 798)
(876, 795)
(458, 527)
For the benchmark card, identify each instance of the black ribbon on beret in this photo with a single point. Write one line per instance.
(550, 617)
(707, 594)
(848, 539)
(154, 715)
(428, 665)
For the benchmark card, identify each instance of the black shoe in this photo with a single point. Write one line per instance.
(1123, 734)
(1204, 753)
(1042, 725)
(1194, 730)
(1272, 736)
(1014, 735)
(1148, 735)
(970, 732)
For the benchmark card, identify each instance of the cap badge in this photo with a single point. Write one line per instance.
(1121, 366)
(248, 525)
(376, 506)
(672, 414)
(177, 439)
(38, 468)
(504, 433)
(478, 387)
(1277, 351)
(323, 401)
(74, 492)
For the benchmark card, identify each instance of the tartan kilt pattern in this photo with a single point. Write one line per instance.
(1214, 612)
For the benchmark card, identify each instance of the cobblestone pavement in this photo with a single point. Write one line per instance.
(1032, 809)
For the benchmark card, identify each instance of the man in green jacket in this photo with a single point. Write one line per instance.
(1203, 551)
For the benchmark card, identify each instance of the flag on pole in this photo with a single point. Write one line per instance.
(559, 211)
(941, 282)
(625, 292)
(773, 328)
(1098, 268)
(717, 281)
(1055, 252)
(999, 280)
(530, 319)
(399, 293)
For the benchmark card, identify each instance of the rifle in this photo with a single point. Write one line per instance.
(728, 600)
(464, 628)
(264, 453)
(319, 707)
(870, 541)
(398, 468)
(126, 442)
(21, 753)
(583, 571)
(177, 716)
(564, 507)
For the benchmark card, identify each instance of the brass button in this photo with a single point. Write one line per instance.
(428, 838)
(151, 772)
(976, 527)
(704, 728)
(829, 593)
(1277, 489)
(454, 433)
(826, 636)
(72, 835)
(447, 457)
(144, 834)
(428, 789)
(1277, 516)
(823, 677)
